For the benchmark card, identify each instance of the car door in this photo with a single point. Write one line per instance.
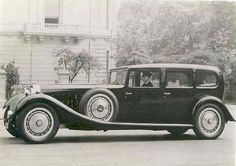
(144, 102)
(178, 94)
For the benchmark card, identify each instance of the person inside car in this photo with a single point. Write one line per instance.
(146, 79)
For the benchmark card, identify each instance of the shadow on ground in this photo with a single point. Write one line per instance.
(124, 138)
(108, 138)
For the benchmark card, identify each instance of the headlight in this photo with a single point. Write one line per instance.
(33, 89)
(7, 117)
(9, 113)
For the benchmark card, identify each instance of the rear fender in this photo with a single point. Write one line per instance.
(213, 100)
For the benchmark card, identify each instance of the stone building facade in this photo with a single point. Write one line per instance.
(31, 30)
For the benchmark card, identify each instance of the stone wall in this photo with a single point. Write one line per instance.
(2, 87)
(36, 62)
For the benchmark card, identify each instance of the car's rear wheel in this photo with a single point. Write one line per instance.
(100, 104)
(209, 121)
(177, 131)
(37, 123)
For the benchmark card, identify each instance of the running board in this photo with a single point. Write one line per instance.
(126, 126)
(123, 126)
(151, 124)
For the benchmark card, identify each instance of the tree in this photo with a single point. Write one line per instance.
(74, 62)
(171, 32)
(12, 77)
(133, 42)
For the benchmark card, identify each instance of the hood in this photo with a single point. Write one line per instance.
(68, 87)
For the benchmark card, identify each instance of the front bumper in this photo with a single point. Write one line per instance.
(7, 118)
(9, 109)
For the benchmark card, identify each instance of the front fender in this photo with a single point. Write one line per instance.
(35, 98)
(77, 117)
(213, 100)
(12, 103)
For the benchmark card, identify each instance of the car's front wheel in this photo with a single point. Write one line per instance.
(37, 123)
(209, 121)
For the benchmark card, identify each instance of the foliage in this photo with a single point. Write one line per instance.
(203, 57)
(133, 58)
(133, 42)
(183, 32)
(230, 90)
(74, 62)
(12, 77)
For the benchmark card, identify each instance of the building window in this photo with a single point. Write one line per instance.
(51, 20)
(52, 11)
(100, 13)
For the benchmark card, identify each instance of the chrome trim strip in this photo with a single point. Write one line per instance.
(179, 87)
(208, 87)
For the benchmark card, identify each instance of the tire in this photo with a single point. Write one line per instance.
(11, 130)
(37, 123)
(100, 104)
(209, 121)
(177, 131)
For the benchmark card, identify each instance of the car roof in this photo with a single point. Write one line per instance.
(170, 65)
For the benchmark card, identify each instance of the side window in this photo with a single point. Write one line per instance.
(205, 78)
(118, 77)
(176, 79)
(145, 78)
(133, 79)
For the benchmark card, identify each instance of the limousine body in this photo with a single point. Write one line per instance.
(172, 97)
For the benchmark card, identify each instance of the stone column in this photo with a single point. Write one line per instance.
(2, 87)
(63, 76)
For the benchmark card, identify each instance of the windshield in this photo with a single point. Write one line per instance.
(117, 77)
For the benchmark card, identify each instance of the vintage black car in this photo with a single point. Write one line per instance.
(172, 97)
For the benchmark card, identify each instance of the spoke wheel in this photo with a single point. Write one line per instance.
(37, 123)
(209, 122)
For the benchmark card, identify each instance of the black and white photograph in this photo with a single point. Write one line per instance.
(117, 82)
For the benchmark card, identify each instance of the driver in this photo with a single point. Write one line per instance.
(146, 79)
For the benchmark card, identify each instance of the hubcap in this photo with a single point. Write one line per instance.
(210, 121)
(100, 107)
(38, 123)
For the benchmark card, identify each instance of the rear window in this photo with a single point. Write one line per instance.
(205, 78)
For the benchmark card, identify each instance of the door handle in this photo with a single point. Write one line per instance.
(128, 93)
(167, 93)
